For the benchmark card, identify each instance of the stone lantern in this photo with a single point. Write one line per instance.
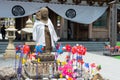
(10, 50)
(28, 29)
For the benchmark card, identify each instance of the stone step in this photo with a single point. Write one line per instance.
(91, 46)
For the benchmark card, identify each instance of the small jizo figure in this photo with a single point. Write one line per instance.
(97, 77)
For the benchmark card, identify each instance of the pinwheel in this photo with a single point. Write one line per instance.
(60, 50)
(68, 47)
(39, 49)
(74, 50)
(98, 68)
(19, 48)
(67, 69)
(79, 58)
(87, 65)
(26, 49)
(93, 65)
(58, 46)
(81, 50)
(70, 78)
(32, 56)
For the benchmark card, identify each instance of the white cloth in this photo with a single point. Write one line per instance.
(84, 14)
(39, 34)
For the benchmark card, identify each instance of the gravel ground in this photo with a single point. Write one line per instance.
(110, 66)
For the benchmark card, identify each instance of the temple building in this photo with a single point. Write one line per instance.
(74, 20)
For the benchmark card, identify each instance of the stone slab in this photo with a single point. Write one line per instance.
(111, 54)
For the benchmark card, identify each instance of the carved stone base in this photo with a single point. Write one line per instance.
(9, 54)
(40, 70)
(44, 68)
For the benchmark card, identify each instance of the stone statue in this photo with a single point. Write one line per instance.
(43, 30)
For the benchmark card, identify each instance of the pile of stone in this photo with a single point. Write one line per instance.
(7, 73)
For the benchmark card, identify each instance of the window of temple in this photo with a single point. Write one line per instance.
(101, 22)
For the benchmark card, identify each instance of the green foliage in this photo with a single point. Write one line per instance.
(118, 44)
(117, 57)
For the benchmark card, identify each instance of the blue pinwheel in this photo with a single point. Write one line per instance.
(39, 49)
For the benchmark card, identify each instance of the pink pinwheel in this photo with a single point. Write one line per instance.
(67, 69)
(32, 56)
(93, 65)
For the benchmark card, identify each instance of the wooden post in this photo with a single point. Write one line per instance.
(113, 26)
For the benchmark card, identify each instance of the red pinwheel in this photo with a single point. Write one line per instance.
(16, 48)
(26, 49)
(81, 50)
(74, 50)
(67, 57)
(81, 61)
(68, 47)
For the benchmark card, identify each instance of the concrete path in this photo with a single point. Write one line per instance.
(110, 66)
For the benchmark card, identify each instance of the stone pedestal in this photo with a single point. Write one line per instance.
(44, 68)
(9, 54)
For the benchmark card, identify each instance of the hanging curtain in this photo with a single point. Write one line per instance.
(15, 9)
(83, 14)
(75, 13)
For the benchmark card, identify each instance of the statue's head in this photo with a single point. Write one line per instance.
(44, 13)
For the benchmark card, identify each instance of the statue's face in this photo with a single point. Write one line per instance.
(44, 13)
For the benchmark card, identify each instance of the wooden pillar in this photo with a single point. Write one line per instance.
(65, 29)
(90, 31)
(113, 26)
(109, 22)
